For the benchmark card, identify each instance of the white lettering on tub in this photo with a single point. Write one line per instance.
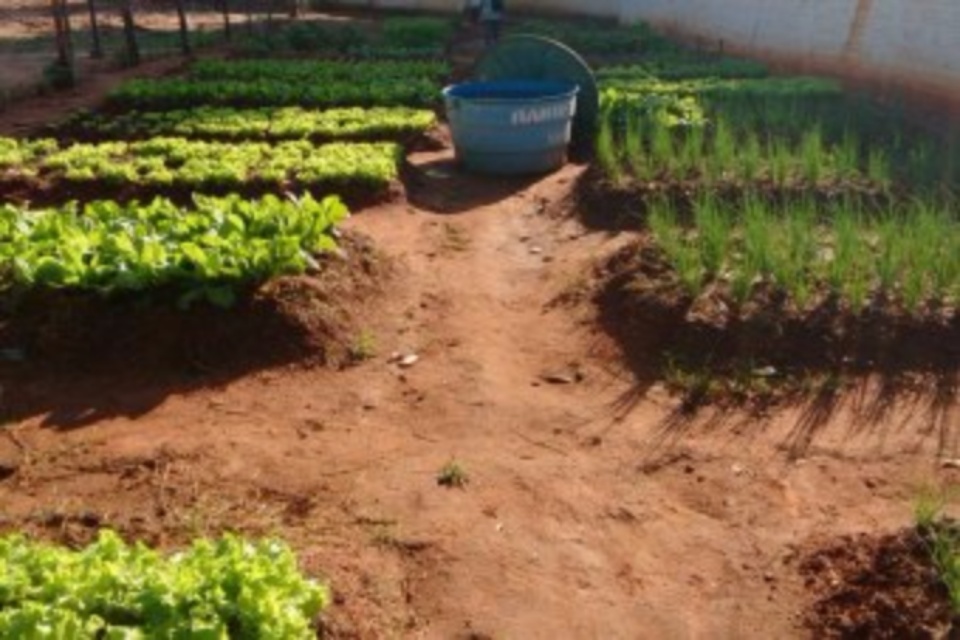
(536, 115)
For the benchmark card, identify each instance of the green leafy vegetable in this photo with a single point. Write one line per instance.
(208, 251)
(163, 162)
(288, 123)
(215, 590)
(261, 83)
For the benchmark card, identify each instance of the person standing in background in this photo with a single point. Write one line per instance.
(491, 15)
(472, 10)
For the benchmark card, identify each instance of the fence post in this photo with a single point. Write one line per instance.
(184, 29)
(62, 72)
(248, 5)
(226, 18)
(96, 48)
(67, 32)
(60, 33)
(130, 33)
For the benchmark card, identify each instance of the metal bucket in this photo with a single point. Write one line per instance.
(511, 126)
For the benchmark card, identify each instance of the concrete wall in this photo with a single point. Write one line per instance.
(894, 45)
(911, 45)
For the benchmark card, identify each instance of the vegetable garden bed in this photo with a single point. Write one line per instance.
(790, 237)
(225, 285)
(309, 320)
(713, 349)
(787, 228)
(251, 263)
(397, 37)
(400, 124)
(42, 171)
(214, 589)
(264, 83)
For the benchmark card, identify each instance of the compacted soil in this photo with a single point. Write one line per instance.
(590, 505)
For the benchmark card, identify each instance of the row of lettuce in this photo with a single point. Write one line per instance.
(229, 588)
(200, 138)
(201, 165)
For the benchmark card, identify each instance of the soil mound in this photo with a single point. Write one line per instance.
(877, 587)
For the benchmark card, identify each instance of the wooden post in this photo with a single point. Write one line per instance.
(96, 48)
(294, 8)
(226, 18)
(60, 33)
(67, 31)
(62, 71)
(184, 29)
(248, 5)
(130, 33)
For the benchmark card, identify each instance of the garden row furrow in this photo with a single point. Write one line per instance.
(229, 124)
(183, 163)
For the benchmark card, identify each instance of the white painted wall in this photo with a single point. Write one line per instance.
(908, 43)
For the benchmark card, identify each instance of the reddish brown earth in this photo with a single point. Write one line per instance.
(878, 587)
(594, 509)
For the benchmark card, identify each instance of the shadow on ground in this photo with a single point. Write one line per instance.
(442, 186)
(875, 406)
(77, 358)
(90, 360)
(877, 371)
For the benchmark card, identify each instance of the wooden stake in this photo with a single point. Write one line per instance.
(96, 50)
(226, 18)
(130, 33)
(63, 71)
(60, 33)
(184, 29)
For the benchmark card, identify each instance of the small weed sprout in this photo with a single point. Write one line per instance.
(453, 476)
(928, 507)
(364, 347)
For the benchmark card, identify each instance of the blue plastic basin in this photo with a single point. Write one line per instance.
(511, 127)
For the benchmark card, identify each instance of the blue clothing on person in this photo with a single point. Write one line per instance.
(491, 15)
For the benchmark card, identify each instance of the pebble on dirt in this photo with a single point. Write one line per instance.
(408, 360)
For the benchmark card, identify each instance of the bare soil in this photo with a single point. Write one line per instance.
(594, 508)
